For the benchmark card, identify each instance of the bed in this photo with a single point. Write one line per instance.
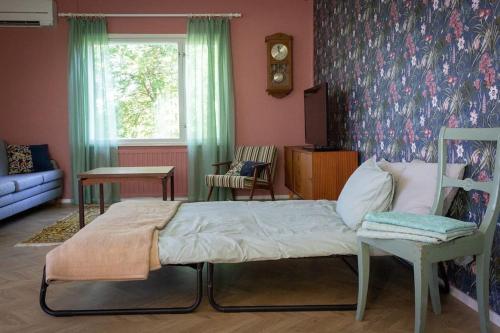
(239, 231)
(229, 232)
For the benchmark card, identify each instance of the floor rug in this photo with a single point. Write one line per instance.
(62, 230)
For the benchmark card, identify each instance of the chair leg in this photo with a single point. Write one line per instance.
(363, 278)
(482, 290)
(421, 270)
(210, 190)
(434, 289)
(252, 192)
(271, 190)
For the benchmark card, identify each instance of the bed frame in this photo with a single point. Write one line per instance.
(126, 311)
(278, 308)
(199, 293)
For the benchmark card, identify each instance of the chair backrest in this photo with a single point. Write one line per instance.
(488, 223)
(265, 154)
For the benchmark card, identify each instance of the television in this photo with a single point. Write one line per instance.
(317, 117)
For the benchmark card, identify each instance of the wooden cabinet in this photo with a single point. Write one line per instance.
(318, 174)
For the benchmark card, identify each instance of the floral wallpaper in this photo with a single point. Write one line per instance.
(399, 70)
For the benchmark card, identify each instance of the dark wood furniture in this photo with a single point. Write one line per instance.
(118, 175)
(318, 174)
(279, 65)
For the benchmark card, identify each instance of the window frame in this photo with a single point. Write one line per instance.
(180, 39)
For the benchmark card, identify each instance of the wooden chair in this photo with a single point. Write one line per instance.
(263, 172)
(425, 257)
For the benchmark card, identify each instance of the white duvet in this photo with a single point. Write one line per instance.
(239, 231)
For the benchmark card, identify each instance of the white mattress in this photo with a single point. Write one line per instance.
(239, 231)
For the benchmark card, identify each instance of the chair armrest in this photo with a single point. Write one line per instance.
(222, 163)
(219, 164)
(260, 166)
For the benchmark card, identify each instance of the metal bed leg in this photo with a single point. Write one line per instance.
(268, 308)
(125, 311)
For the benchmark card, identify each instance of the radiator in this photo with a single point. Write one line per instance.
(154, 156)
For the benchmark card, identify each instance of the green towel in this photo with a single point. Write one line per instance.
(433, 223)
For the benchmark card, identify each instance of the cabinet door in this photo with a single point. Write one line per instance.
(302, 174)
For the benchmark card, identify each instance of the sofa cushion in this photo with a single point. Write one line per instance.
(28, 193)
(33, 201)
(20, 159)
(6, 187)
(4, 164)
(24, 181)
(50, 175)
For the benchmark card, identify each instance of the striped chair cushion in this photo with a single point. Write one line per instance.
(231, 181)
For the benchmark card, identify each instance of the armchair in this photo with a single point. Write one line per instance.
(263, 171)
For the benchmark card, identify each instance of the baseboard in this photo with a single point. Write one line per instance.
(472, 303)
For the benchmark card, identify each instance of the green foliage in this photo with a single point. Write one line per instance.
(144, 75)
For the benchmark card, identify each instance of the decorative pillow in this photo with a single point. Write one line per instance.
(394, 168)
(416, 186)
(235, 169)
(369, 189)
(41, 158)
(242, 168)
(247, 168)
(20, 159)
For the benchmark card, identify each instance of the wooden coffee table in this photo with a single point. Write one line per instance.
(121, 174)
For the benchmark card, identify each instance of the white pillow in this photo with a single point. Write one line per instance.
(416, 185)
(368, 189)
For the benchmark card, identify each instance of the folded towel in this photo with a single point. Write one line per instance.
(393, 229)
(433, 223)
(396, 235)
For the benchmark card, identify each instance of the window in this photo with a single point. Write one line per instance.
(148, 82)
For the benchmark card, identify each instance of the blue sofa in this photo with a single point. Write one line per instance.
(21, 192)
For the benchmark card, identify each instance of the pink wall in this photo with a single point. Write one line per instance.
(33, 70)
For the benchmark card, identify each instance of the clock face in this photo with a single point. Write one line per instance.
(279, 51)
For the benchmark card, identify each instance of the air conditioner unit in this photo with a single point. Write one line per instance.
(27, 13)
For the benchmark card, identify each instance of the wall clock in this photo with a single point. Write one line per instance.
(279, 65)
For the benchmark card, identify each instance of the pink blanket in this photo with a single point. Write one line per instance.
(121, 244)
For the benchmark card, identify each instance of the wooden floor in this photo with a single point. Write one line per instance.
(390, 303)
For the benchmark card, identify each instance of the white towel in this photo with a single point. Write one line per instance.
(396, 235)
(382, 227)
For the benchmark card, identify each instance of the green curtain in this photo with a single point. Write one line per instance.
(92, 124)
(209, 101)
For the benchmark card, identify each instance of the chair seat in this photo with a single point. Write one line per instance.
(230, 181)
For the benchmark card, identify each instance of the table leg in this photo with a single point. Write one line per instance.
(81, 209)
(172, 187)
(164, 188)
(101, 198)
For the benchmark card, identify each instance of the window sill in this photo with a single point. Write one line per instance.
(150, 143)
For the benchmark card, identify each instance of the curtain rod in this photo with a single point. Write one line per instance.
(230, 15)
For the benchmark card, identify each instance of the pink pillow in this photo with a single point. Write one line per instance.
(416, 184)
